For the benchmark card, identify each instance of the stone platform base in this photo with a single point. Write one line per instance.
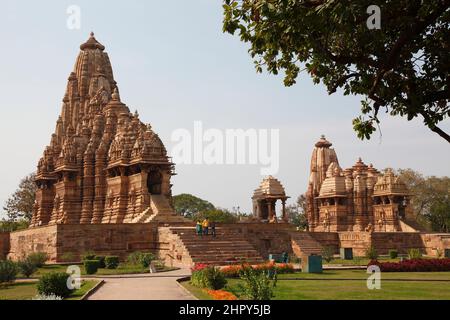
(175, 242)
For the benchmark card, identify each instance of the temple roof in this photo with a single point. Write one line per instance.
(270, 187)
(92, 44)
(389, 184)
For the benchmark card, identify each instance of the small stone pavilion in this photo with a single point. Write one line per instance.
(104, 186)
(264, 200)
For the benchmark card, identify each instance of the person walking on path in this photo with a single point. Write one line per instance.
(198, 228)
(205, 226)
(212, 225)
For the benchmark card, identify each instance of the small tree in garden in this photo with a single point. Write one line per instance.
(258, 285)
(327, 254)
(371, 253)
(27, 267)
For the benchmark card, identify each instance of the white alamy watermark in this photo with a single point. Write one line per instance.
(74, 19)
(74, 279)
(229, 146)
(374, 20)
(374, 280)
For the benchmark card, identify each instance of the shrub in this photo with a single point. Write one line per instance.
(8, 271)
(414, 265)
(101, 261)
(146, 258)
(27, 267)
(134, 258)
(209, 277)
(257, 285)
(414, 253)
(393, 254)
(91, 266)
(38, 258)
(327, 254)
(233, 271)
(371, 253)
(111, 262)
(54, 283)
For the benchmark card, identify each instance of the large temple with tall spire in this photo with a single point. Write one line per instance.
(103, 165)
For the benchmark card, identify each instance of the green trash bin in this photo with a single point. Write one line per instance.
(447, 253)
(312, 264)
(346, 253)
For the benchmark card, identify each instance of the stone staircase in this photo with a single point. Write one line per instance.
(226, 248)
(304, 243)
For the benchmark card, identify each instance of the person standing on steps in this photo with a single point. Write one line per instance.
(212, 225)
(198, 228)
(205, 226)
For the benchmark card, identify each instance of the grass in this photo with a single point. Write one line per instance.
(197, 292)
(28, 290)
(325, 286)
(124, 268)
(358, 261)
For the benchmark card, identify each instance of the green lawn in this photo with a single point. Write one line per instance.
(122, 269)
(27, 290)
(312, 287)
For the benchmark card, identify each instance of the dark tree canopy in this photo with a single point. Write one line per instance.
(20, 204)
(188, 205)
(401, 69)
(296, 213)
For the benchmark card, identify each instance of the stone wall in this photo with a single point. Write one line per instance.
(67, 243)
(4, 244)
(39, 239)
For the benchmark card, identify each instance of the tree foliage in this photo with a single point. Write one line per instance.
(188, 205)
(430, 198)
(296, 213)
(19, 205)
(216, 215)
(402, 68)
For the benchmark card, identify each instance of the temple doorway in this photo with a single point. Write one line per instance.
(154, 182)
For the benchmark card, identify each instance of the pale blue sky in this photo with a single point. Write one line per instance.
(175, 66)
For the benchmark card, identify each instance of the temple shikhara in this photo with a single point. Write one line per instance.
(104, 186)
(103, 165)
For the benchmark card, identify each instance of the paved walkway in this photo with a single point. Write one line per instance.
(159, 286)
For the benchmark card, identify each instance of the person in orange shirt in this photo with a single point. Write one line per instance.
(205, 226)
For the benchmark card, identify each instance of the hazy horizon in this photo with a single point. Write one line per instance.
(175, 66)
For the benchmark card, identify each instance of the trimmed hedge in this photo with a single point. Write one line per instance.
(414, 265)
(91, 266)
(101, 260)
(111, 262)
(393, 254)
(54, 283)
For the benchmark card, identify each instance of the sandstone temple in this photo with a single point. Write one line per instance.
(104, 186)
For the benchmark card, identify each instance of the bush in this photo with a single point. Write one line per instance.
(27, 267)
(101, 261)
(111, 262)
(393, 254)
(257, 285)
(38, 258)
(414, 265)
(134, 258)
(91, 266)
(208, 277)
(8, 271)
(327, 254)
(233, 271)
(414, 253)
(371, 253)
(54, 283)
(146, 259)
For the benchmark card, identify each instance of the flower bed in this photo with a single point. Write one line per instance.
(233, 271)
(414, 265)
(221, 295)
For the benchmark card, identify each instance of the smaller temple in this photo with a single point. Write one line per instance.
(359, 198)
(264, 200)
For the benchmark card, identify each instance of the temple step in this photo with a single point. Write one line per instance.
(304, 243)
